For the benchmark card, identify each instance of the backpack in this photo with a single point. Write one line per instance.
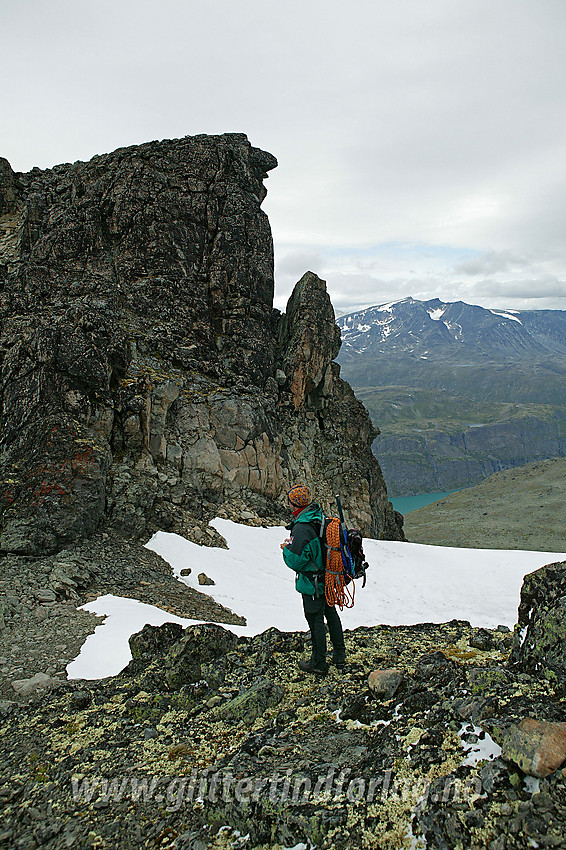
(344, 557)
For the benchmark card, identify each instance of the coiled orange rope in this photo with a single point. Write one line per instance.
(335, 589)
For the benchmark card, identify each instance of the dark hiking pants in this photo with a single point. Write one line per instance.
(316, 610)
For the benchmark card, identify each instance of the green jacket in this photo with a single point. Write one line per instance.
(304, 554)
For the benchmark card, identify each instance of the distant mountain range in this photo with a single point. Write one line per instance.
(459, 391)
(409, 323)
(451, 346)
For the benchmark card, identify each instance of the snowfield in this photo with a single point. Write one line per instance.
(407, 583)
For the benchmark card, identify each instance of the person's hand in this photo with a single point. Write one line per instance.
(285, 543)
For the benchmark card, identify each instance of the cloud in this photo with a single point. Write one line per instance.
(376, 274)
(296, 263)
(407, 123)
(350, 292)
(530, 288)
(490, 262)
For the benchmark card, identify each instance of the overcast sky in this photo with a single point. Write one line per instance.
(421, 143)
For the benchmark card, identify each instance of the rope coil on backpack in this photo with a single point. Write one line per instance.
(335, 589)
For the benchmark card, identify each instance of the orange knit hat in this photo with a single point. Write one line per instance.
(299, 496)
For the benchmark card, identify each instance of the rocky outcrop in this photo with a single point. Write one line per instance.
(147, 381)
(311, 341)
(539, 641)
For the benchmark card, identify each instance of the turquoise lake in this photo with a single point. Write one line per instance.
(406, 504)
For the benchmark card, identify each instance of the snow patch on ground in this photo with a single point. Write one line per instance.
(436, 315)
(407, 583)
(388, 308)
(106, 651)
(531, 785)
(485, 748)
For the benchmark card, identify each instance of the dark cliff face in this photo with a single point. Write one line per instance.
(435, 460)
(169, 235)
(146, 377)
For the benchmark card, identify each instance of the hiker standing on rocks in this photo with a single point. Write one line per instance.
(303, 554)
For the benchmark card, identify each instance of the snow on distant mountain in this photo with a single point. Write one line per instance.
(487, 355)
(418, 326)
(421, 366)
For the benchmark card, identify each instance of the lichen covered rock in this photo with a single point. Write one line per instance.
(263, 752)
(174, 657)
(537, 747)
(539, 639)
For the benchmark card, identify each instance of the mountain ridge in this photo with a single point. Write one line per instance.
(444, 322)
(467, 357)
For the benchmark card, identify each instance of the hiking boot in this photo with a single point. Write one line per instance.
(339, 663)
(307, 667)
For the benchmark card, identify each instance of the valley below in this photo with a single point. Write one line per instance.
(520, 508)
(432, 441)
(458, 392)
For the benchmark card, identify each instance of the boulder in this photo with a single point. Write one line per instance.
(250, 705)
(40, 683)
(154, 641)
(172, 657)
(487, 679)
(536, 746)
(203, 579)
(539, 639)
(481, 639)
(80, 699)
(200, 645)
(384, 683)
(45, 595)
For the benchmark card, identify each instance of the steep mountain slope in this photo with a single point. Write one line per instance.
(458, 391)
(521, 508)
(432, 441)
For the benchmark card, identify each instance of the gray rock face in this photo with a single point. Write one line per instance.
(539, 639)
(146, 379)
